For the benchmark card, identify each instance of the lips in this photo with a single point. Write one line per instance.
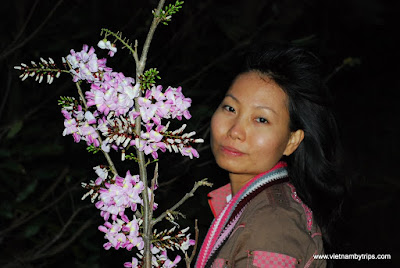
(231, 151)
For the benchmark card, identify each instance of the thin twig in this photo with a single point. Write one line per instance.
(64, 245)
(49, 244)
(187, 259)
(54, 185)
(23, 219)
(28, 18)
(221, 58)
(25, 40)
(146, 46)
(153, 183)
(334, 72)
(135, 54)
(33, 110)
(197, 184)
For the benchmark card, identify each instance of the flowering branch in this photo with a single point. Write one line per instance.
(142, 169)
(118, 36)
(110, 115)
(106, 155)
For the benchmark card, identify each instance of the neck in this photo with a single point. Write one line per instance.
(238, 181)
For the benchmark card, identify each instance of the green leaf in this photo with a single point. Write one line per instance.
(92, 149)
(15, 128)
(27, 191)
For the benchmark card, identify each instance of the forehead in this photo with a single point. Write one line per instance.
(257, 89)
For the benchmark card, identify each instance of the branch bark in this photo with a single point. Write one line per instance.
(188, 259)
(203, 182)
(147, 214)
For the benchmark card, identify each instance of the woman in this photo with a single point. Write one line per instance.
(276, 136)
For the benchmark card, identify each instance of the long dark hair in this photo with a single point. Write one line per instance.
(314, 167)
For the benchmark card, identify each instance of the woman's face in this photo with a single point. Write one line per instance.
(250, 129)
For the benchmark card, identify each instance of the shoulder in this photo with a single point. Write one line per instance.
(275, 225)
(276, 222)
(279, 205)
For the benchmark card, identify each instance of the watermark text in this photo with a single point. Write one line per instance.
(353, 256)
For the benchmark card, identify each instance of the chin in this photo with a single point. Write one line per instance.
(230, 166)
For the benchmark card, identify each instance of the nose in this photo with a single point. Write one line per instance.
(237, 130)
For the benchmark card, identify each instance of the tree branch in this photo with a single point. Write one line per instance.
(54, 185)
(23, 219)
(142, 168)
(24, 41)
(153, 183)
(146, 46)
(188, 259)
(49, 244)
(64, 245)
(203, 182)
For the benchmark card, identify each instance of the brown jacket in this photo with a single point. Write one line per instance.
(275, 230)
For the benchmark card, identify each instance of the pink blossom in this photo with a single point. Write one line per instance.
(147, 112)
(70, 126)
(77, 137)
(66, 114)
(84, 64)
(134, 263)
(90, 118)
(168, 263)
(189, 151)
(124, 193)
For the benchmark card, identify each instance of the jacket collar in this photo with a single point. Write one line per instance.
(219, 198)
(227, 213)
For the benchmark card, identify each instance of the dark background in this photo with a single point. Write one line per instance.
(43, 222)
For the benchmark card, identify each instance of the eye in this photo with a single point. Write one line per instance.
(262, 120)
(228, 108)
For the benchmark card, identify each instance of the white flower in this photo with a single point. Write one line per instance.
(105, 44)
(101, 172)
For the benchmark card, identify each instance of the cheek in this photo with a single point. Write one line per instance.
(216, 126)
(214, 131)
(270, 145)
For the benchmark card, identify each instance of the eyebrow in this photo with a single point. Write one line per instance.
(257, 106)
(233, 97)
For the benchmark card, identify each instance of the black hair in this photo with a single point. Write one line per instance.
(314, 167)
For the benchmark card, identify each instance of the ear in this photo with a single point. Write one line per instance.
(295, 139)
